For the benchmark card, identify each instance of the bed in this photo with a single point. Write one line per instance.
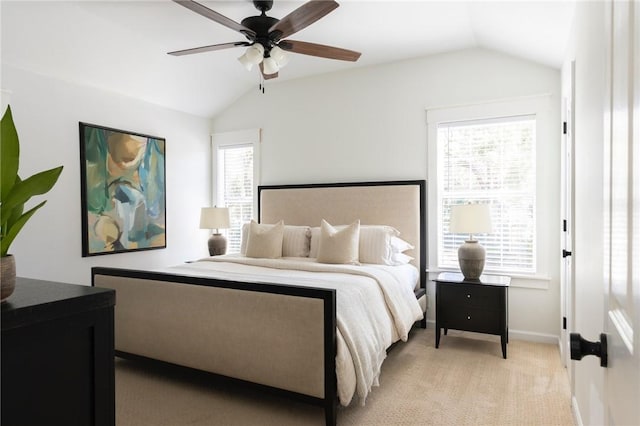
(277, 323)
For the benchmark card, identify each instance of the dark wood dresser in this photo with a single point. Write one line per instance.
(473, 305)
(57, 355)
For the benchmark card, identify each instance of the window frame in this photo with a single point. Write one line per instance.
(235, 139)
(538, 106)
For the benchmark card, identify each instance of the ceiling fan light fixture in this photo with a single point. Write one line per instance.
(280, 56)
(270, 66)
(252, 56)
(245, 62)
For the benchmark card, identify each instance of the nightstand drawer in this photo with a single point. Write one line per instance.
(472, 319)
(461, 295)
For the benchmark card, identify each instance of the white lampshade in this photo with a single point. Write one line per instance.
(270, 66)
(470, 219)
(252, 56)
(280, 56)
(214, 218)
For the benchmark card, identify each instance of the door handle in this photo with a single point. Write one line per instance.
(565, 253)
(581, 347)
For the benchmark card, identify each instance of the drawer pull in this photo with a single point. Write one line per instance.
(468, 317)
(468, 296)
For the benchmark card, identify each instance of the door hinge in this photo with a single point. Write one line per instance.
(564, 323)
(565, 253)
(564, 127)
(564, 225)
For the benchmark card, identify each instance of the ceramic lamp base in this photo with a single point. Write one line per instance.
(471, 257)
(217, 245)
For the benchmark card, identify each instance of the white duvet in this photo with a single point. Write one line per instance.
(375, 306)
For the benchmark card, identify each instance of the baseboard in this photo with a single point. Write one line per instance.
(532, 336)
(529, 336)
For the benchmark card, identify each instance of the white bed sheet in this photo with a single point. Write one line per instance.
(375, 306)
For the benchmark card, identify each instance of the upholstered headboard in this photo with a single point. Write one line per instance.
(401, 204)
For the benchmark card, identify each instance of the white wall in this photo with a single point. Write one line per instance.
(588, 51)
(370, 124)
(46, 112)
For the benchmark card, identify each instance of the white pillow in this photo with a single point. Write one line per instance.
(265, 241)
(295, 243)
(339, 246)
(398, 245)
(399, 259)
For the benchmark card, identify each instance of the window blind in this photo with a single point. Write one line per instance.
(235, 171)
(490, 161)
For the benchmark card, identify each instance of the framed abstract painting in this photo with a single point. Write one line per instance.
(123, 191)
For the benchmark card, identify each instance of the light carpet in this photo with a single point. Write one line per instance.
(464, 382)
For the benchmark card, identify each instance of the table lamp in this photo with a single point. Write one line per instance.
(215, 218)
(470, 219)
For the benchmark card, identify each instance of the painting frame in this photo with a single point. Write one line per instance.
(123, 190)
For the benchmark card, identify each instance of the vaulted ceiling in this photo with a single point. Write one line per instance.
(122, 46)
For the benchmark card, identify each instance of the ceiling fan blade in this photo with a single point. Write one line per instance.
(301, 18)
(314, 49)
(215, 16)
(267, 76)
(210, 48)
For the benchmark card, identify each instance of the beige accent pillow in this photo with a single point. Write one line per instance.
(339, 246)
(265, 241)
(295, 240)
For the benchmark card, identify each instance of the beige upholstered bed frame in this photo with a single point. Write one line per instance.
(372, 204)
(239, 330)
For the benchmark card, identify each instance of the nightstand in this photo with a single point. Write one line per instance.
(480, 306)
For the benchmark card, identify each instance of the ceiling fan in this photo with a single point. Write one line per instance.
(266, 36)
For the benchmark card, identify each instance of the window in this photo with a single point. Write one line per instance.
(490, 161)
(487, 153)
(235, 174)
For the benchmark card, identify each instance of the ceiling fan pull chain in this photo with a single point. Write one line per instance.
(261, 83)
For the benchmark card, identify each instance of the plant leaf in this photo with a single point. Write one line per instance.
(7, 239)
(16, 212)
(9, 153)
(15, 215)
(37, 184)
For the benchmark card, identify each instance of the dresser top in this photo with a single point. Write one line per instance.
(39, 300)
(455, 277)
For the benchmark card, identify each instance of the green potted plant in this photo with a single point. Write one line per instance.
(14, 193)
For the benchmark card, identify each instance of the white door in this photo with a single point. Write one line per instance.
(620, 398)
(622, 216)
